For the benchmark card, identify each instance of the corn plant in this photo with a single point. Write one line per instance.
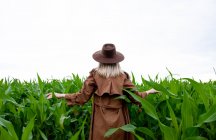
(184, 109)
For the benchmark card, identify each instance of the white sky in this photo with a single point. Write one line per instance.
(58, 37)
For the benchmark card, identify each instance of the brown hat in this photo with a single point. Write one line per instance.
(108, 55)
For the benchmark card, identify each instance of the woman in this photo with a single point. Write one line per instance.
(105, 83)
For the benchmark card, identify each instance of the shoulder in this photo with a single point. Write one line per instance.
(92, 73)
(127, 75)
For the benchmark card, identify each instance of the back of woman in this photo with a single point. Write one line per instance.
(105, 83)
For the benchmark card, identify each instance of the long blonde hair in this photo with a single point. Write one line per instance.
(109, 70)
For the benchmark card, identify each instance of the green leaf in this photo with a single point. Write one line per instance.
(76, 135)
(10, 99)
(128, 128)
(83, 134)
(9, 126)
(40, 82)
(186, 112)
(4, 134)
(208, 117)
(43, 135)
(27, 133)
(190, 132)
(159, 87)
(196, 138)
(110, 132)
(133, 79)
(169, 72)
(148, 107)
(8, 90)
(201, 90)
(123, 97)
(169, 132)
(173, 117)
(146, 131)
(62, 118)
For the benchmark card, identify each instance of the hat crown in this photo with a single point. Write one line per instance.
(109, 50)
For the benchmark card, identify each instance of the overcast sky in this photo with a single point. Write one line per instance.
(56, 38)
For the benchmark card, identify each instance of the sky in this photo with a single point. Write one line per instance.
(56, 38)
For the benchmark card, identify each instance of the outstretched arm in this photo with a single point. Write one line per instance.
(146, 93)
(81, 97)
(129, 85)
(58, 95)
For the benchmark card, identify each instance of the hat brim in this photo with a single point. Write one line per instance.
(99, 57)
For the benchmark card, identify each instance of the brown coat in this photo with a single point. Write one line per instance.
(107, 111)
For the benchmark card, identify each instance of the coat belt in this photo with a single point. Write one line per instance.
(108, 106)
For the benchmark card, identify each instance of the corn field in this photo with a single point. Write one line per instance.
(184, 109)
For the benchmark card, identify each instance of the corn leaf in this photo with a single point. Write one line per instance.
(146, 131)
(201, 90)
(4, 134)
(159, 87)
(196, 138)
(123, 97)
(27, 133)
(147, 106)
(128, 128)
(110, 132)
(40, 82)
(173, 117)
(43, 135)
(186, 112)
(62, 118)
(169, 132)
(208, 117)
(10, 129)
(77, 134)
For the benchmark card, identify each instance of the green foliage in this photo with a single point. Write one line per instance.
(184, 109)
(128, 128)
(25, 113)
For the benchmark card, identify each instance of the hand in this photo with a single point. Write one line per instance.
(58, 95)
(152, 91)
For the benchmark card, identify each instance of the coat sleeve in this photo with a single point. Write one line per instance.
(128, 85)
(81, 97)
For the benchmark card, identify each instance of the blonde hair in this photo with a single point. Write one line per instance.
(109, 70)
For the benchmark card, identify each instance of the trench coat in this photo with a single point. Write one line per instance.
(107, 111)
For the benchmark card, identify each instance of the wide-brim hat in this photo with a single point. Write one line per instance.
(108, 55)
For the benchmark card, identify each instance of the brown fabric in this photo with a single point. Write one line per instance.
(108, 112)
